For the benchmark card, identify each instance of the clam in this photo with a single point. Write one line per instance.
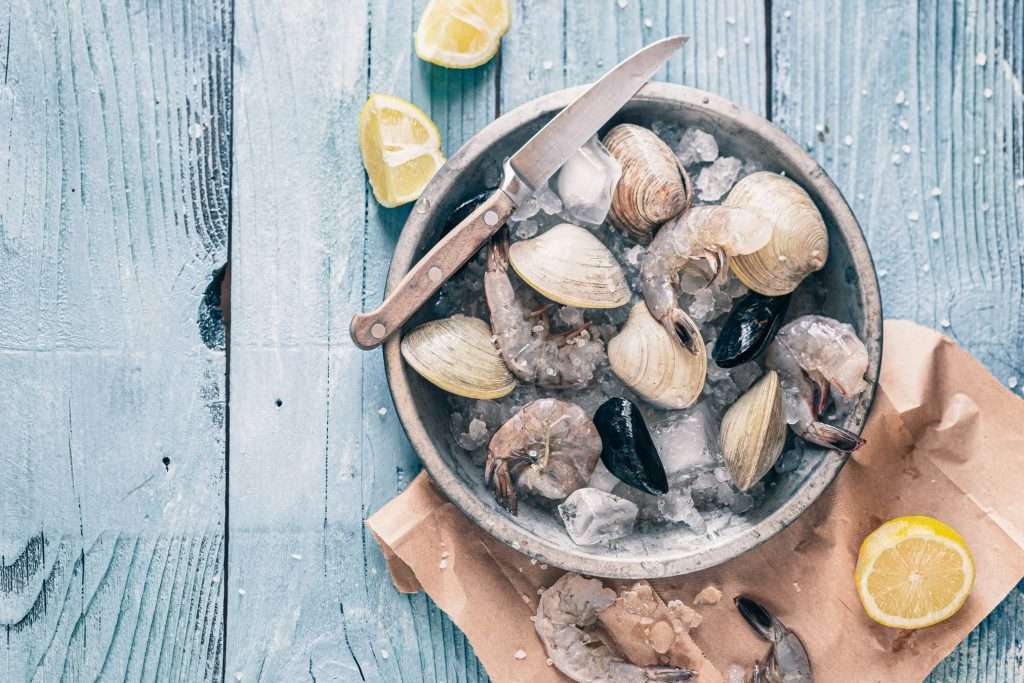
(656, 366)
(750, 327)
(799, 244)
(753, 431)
(570, 265)
(653, 187)
(627, 449)
(458, 355)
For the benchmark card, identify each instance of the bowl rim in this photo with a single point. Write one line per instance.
(582, 561)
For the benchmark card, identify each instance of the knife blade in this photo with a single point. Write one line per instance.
(552, 145)
(525, 171)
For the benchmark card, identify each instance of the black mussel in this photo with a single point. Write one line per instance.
(750, 327)
(463, 210)
(627, 449)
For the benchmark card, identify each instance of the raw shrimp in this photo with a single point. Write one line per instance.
(787, 660)
(548, 449)
(566, 616)
(713, 233)
(528, 348)
(813, 354)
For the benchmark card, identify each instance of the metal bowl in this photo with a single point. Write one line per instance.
(849, 278)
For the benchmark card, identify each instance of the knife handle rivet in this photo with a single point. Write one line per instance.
(378, 330)
(435, 274)
(491, 218)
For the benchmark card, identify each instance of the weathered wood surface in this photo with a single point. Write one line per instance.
(113, 217)
(892, 101)
(115, 214)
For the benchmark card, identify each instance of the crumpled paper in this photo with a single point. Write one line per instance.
(944, 438)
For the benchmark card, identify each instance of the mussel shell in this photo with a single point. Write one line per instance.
(750, 327)
(627, 448)
(462, 211)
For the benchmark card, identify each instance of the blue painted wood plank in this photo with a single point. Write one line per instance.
(917, 113)
(112, 222)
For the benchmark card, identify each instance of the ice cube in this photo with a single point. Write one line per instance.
(703, 305)
(718, 178)
(527, 209)
(703, 490)
(745, 374)
(678, 506)
(696, 146)
(741, 502)
(789, 460)
(682, 439)
(526, 229)
(586, 182)
(573, 317)
(548, 201)
(593, 516)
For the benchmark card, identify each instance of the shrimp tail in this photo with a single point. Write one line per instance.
(829, 436)
(497, 475)
(668, 674)
(497, 252)
(680, 327)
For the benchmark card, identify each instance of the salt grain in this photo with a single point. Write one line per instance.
(848, 140)
(904, 124)
(925, 268)
(981, 59)
(906, 149)
(913, 216)
(730, 20)
(384, 654)
(977, 161)
(787, 14)
(935, 235)
(935, 191)
(720, 53)
(382, 412)
(648, 22)
(443, 564)
(241, 591)
(882, 273)
(296, 556)
(238, 675)
(901, 97)
(746, 40)
(896, 159)
(547, 64)
(520, 654)
(1020, 182)
(987, 92)
(1011, 381)
(944, 323)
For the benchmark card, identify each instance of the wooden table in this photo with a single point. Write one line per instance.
(146, 532)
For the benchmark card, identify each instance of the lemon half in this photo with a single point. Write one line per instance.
(461, 34)
(401, 148)
(913, 572)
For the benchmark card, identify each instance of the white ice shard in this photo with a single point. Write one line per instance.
(586, 182)
(593, 516)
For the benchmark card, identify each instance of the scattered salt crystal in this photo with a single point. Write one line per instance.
(746, 40)
(730, 20)
(848, 140)
(820, 127)
(904, 124)
(384, 654)
(709, 596)
(241, 591)
(901, 97)
(796, 586)
(1011, 381)
(526, 599)
(444, 554)
(925, 268)
(860, 196)
(1020, 182)
(382, 411)
(443, 564)
(622, 3)
(977, 161)
(906, 149)
(215, 579)
(981, 59)
(720, 53)
(913, 216)
(549, 662)
(547, 64)
(787, 14)
(882, 272)
(935, 235)
(935, 191)
(521, 654)
(944, 322)
(648, 22)
(863, 92)
(987, 92)
(296, 556)
(238, 675)
(195, 131)
(896, 159)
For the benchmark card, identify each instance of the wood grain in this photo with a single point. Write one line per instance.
(113, 217)
(892, 101)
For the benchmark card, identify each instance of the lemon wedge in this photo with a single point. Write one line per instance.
(461, 34)
(913, 572)
(401, 148)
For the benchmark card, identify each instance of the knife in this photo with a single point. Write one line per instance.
(527, 169)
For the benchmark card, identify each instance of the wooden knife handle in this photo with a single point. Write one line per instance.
(369, 330)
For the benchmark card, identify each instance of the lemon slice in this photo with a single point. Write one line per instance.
(401, 148)
(461, 34)
(913, 572)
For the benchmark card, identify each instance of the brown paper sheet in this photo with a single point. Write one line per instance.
(944, 439)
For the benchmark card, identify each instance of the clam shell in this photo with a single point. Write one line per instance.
(654, 365)
(753, 432)
(458, 355)
(570, 265)
(799, 244)
(653, 188)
